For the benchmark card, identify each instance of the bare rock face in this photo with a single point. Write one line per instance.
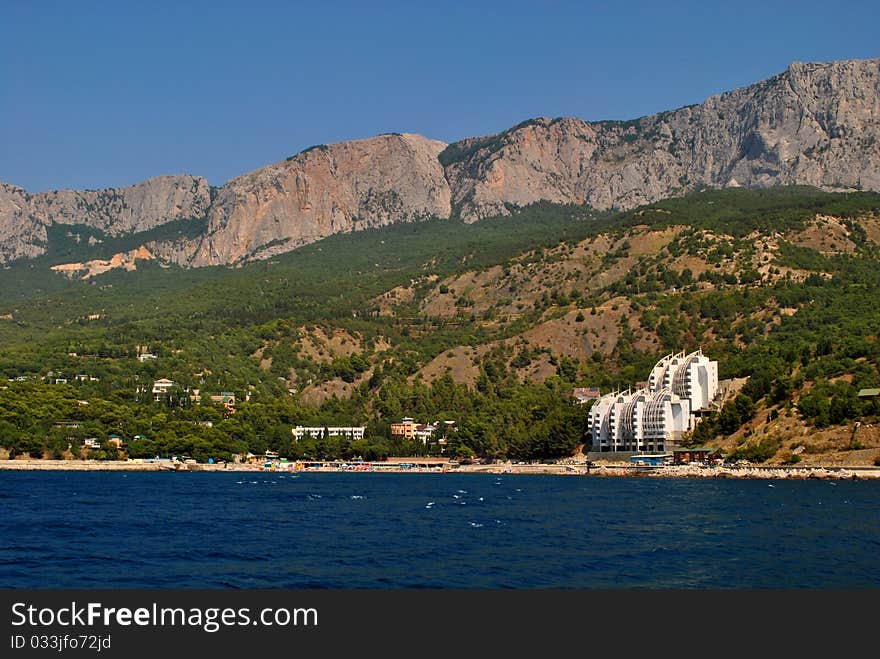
(146, 205)
(117, 211)
(127, 260)
(814, 124)
(540, 159)
(324, 190)
(21, 234)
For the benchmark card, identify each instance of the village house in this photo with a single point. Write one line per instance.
(585, 394)
(226, 399)
(424, 432)
(161, 388)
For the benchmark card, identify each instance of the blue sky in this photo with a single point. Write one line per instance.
(102, 94)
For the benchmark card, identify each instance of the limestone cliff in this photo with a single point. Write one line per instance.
(22, 235)
(115, 211)
(134, 208)
(324, 190)
(815, 124)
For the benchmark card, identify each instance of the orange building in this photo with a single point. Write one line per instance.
(227, 399)
(406, 428)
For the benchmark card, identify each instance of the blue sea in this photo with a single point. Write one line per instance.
(404, 531)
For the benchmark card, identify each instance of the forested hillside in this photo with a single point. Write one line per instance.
(489, 324)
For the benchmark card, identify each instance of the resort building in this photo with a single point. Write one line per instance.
(316, 432)
(653, 417)
(406, 428)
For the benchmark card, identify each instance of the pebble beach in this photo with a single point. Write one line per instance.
(620, 470)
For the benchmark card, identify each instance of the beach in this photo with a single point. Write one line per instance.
(119, 465)
(598, 469)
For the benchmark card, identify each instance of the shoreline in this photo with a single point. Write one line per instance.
(612, 470)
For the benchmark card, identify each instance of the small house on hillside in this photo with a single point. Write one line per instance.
(161, 388)
(226, 399)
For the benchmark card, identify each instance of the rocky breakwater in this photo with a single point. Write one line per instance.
(761, 472)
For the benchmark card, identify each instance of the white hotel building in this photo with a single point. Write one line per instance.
(653, 418)
(316, 432)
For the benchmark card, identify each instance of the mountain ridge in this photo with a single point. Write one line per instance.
(816, 123)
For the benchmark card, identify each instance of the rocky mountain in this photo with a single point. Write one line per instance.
(815, 123)
(324, 190)
(24, 217)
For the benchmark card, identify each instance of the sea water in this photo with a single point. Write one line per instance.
(478, 531)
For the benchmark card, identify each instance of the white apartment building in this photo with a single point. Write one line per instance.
(693, 376)
(316, 432)
(654, 417)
